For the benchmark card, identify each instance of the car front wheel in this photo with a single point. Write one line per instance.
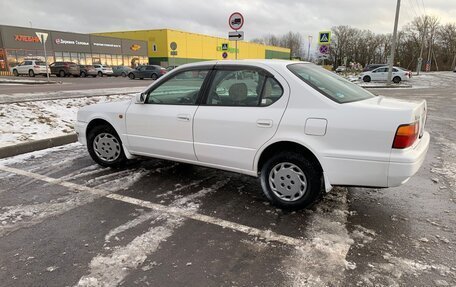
(105, 146)
(15, 73)
(366, 79)
(291, 181)
(131, 76)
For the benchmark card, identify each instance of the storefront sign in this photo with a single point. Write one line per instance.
(106, 45)
(135, 47)
(25, 38)
(60, 41)
(228, 49)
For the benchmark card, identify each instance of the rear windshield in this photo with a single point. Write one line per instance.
(40, 63)
(329, 84)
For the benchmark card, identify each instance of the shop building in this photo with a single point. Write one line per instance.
(192, 47)
(19, 43)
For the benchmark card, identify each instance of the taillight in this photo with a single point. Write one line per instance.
(162, 72)
(406, 135)
(66, 65)
(36, 67)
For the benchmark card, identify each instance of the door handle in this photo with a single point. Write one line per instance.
(183, 117)
(264, 123)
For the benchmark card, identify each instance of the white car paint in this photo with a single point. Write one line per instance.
(38, 67)
(104, 69)
(381, 74)
(351, 141)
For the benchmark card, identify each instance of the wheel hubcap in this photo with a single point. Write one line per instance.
(106, 147)
(287, 181)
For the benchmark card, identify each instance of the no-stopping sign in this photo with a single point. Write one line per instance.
(236, 21)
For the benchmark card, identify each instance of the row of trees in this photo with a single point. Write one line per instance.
(424, 37)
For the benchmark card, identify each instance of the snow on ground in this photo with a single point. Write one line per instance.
(22, 122)
(423, 81)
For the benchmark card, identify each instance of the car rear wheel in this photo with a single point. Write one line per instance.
(154, 76)
(105, 146)
(100, 74)
(31, 73)
(291, 181)
(123, 74)
(62, 73)
(131, 76)
(397, 80)
(367, 79)
(83, 74)
(15, 73)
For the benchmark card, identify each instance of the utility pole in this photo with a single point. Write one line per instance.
(393, 44)
(420, 59)
(429, 59)
(308, 49)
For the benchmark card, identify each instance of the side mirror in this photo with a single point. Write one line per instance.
(140, 98)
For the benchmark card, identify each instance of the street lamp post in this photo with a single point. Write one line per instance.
(393, 43)
(308, 49)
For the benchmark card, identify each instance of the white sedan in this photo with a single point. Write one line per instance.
(298, 127)
(381, 74)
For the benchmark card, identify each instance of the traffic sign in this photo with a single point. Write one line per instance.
(324, 49)
(42, 36)
(324, 37)
(225, 55)
(173, 46)
(224, 46)
(236, 36)
(236, 21)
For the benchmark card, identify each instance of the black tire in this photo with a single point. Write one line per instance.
(94, 76)
(367, 79)
(31, 73)
(100, 74)
(154, 76)
(123, 74)
(397, 80)
(62, 73)
(83, 74)
(312, 175)
(105, 129)
(131, 76)
(15, 73)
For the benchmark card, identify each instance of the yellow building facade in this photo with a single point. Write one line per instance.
(192, 47)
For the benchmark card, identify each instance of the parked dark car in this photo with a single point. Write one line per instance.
(121, 71)
(87, 70)
(370, 67)
(148, 71)
(65, 69)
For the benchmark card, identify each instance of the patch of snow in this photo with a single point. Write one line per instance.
(22, 122)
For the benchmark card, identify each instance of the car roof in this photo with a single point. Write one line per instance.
(253, 62)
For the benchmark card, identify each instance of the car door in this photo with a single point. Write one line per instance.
(163, 125)
(22, 69)
(381, 74)
(241, 112)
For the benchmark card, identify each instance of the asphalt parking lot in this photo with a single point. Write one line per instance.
(65, 221)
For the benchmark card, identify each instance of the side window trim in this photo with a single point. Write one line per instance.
(166, 79)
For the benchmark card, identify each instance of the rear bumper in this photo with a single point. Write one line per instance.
(404, 164)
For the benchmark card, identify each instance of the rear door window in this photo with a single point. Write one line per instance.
(243, 87)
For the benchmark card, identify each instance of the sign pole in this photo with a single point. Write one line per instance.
(236, 50)
(45, 57)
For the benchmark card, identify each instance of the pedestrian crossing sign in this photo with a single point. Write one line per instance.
(324, 37)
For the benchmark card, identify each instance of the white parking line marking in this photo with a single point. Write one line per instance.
(177, 211)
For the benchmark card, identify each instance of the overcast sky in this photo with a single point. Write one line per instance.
(210, 16)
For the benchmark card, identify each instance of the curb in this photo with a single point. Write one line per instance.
(29, 82)
(386, 87)
(37, 145)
